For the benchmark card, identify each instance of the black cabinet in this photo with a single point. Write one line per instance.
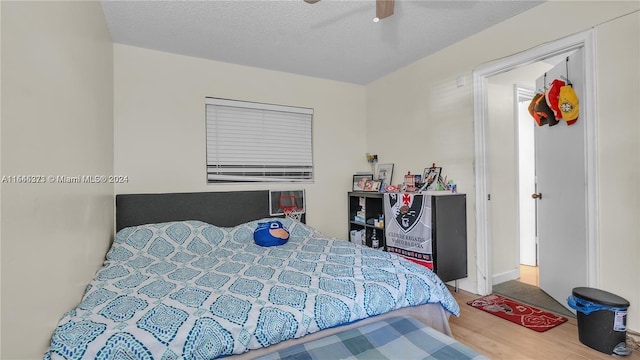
(448, 228)
(449, 236)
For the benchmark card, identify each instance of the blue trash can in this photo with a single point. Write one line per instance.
(602, 319)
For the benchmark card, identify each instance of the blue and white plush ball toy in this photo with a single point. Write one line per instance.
(271, 233)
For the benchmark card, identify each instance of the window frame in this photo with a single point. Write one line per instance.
(241, 157)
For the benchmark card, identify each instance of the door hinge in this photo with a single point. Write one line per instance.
(488, 197)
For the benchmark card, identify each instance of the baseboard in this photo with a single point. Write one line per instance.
(466, 285)
(472, 285)
(505, 276)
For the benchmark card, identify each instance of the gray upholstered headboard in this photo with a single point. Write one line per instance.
(217, 208)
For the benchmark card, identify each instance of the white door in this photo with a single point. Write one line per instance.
(561, 183)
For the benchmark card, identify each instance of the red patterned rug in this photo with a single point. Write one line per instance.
(517, 312)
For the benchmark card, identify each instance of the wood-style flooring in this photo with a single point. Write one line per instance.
(529, 275)
(500, 339)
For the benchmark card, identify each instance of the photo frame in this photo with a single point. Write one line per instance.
(281, 200)
(372, 185)
(360, 180)
(431, 177)
(409, 184)
(385, 174)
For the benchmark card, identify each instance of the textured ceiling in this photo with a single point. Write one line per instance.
(332, 39)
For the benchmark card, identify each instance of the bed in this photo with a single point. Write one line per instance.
(174, 285)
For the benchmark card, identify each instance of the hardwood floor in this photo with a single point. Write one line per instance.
(500, 339)
(529, 275)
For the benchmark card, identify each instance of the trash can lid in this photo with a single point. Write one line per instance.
(600, 297)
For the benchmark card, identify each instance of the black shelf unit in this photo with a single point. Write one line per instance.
(373, 208)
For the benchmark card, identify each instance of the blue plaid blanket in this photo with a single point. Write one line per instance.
(394, 338)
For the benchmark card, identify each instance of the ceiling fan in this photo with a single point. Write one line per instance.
(384, 8)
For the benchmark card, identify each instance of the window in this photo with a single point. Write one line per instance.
(254, 142)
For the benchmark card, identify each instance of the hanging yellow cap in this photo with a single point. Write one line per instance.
(568, 104)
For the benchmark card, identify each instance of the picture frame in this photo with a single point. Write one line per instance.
(281, 200)
(372, 185)
(360, 180)
(431, 177)
(385, 174)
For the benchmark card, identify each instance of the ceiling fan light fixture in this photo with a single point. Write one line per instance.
(384, 8)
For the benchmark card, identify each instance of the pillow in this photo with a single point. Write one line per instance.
(271, 233)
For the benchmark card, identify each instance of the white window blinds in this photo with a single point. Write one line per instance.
(253, 142)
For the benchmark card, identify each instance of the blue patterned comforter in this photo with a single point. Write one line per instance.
(196, 291)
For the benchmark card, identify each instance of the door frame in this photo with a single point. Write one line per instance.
(584, 40)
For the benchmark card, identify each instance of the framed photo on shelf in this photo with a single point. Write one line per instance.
(431, 176)
(360, 180)
(372, 185)
(385, 172)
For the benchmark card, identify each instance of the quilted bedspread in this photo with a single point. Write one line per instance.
(196, 291)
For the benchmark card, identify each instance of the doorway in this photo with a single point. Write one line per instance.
(484, 205)
(516, 143)
(511, 158)
(524, 283)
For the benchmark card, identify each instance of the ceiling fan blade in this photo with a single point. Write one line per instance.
(384, 8)
(311, 1)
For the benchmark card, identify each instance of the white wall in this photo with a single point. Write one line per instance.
(503, 170)
(619, 159)
(433, 120)
(160, 126)
(57, 119)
